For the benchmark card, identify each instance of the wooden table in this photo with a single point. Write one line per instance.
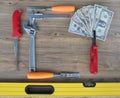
(56, 49)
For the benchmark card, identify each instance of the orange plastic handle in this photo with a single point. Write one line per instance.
(40, 75)
(63, 9)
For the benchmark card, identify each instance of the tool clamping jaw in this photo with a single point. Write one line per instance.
(30, 30)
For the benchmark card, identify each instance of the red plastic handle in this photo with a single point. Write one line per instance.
(94, 59)
(16, 24)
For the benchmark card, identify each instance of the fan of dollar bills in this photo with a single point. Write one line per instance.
(89, 18)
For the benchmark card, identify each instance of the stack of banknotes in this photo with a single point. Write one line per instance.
(89, 18)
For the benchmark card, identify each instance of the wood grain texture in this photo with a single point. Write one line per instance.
(56, 49)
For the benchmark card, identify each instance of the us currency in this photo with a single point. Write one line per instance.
(85, 12)
(77, 20)
(97, 13)
(76, 29)
(103, 24)
(91, 15)
(89, 18)
(81, 16)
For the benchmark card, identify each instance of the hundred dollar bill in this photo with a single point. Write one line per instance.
(103, 24)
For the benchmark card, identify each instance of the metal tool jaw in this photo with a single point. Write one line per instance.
(30, 29)
(30, 26)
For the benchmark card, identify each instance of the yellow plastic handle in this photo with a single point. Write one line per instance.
(40, 75)
(63, 9)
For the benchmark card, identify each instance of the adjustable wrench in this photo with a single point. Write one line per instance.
(31, 32)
